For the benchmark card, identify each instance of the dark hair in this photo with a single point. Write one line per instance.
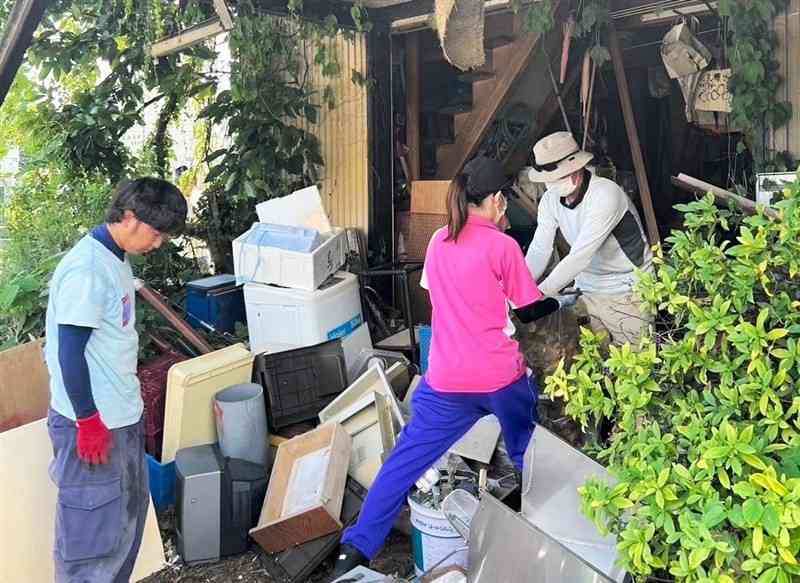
(458, 200)
(154, 201)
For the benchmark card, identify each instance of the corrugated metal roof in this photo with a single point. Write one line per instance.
(343, 133)
(787, 29)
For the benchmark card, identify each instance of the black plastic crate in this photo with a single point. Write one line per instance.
(300, 383)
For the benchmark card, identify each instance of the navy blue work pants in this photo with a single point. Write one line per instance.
(438, 420)
(101, 509)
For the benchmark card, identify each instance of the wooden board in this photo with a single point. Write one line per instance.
(277, 531)
(24, 385)
(27, 515)
(633, 136)
(429, 196)
(413, 102)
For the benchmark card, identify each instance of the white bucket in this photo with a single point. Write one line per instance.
(433, 538)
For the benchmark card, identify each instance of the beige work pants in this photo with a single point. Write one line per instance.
(619, 315)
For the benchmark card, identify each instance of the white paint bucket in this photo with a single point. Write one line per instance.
(433, 539)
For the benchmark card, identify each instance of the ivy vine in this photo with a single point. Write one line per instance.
(754, 74)
(591, 20)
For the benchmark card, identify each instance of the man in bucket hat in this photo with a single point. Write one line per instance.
(603, 229)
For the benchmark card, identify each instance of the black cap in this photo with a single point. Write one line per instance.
(485, 176)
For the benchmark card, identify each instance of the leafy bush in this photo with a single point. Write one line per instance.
(706, 449)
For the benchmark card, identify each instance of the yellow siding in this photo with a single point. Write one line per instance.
(343, 133)
(787, 28)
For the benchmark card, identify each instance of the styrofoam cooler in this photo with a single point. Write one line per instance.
(281, 318)
(255, 261)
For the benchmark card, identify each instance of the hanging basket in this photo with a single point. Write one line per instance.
(459, 24)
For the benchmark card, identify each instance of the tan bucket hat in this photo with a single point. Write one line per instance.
(557, 155)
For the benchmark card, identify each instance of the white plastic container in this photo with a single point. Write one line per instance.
(255, 262)
(281, 319)
(434, 542)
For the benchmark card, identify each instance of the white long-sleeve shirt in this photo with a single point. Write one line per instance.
(607, 243)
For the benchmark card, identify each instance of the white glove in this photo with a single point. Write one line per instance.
(567, 300)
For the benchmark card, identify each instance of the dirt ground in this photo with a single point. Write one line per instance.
(395, 558)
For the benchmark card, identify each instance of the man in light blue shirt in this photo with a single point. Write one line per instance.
(95, 419)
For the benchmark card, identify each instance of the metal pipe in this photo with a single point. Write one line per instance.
(159, 304)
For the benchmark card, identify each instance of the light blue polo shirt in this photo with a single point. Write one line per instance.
(91, 287)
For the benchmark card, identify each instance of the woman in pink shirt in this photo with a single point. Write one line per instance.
(475, 275)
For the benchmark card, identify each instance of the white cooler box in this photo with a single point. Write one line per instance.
(255, 263)
(281, 318)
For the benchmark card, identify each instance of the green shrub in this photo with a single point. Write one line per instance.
(706, 448)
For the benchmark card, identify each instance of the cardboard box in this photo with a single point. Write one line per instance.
(429, 196)
(255, 263)
(713, 91)
(306, 489)
(191, 386)
(24, 385)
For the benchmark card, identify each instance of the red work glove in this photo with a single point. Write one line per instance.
(94, 440)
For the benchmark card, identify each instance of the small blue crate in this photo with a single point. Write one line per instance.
(162, 482)
(215, 302)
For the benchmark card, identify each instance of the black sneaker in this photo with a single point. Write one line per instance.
(349, 558)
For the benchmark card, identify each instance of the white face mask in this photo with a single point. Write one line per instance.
(563, 187)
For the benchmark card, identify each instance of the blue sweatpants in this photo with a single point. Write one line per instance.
(438, 420)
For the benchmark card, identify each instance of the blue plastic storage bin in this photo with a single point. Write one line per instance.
(424, 347)
(284, 237)
(162, 482)
(217, 301)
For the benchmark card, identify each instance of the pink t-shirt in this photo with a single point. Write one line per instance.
(473, 282)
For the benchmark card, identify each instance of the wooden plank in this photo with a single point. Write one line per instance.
(24, 385)
(22, 22)
(699, 187)
(224, 13)
(413, 104)
(482, 117)
(633, 135)
(187, 38)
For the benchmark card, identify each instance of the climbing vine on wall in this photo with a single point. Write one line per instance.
(755, 80)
